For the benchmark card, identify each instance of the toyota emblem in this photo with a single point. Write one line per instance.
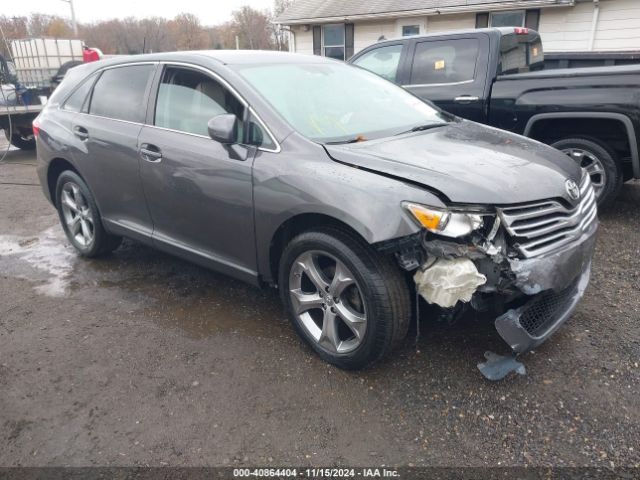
(572, 189)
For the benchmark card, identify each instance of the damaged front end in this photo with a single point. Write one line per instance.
(528, 264)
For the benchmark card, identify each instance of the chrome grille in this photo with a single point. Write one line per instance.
(540, 227)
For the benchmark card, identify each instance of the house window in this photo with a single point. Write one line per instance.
(507, 19)
(333, 41)
(408, 30)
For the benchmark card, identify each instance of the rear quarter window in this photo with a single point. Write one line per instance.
(77, 99)
(120, 93)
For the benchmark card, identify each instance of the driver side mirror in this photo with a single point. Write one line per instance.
(223, 128)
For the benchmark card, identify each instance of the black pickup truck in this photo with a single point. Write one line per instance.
(495, 76)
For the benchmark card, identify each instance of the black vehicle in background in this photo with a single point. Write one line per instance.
(495, 76)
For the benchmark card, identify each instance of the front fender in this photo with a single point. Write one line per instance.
(295, 183)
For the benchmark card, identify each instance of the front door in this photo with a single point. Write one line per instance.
(199, 191)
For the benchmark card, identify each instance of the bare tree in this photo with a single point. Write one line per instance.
(280, 34)
(187, 32)
(253, 28)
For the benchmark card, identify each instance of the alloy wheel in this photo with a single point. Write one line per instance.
(77, 214)
(327, 301)
(592, 165)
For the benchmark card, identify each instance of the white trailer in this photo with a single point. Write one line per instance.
(27, 80)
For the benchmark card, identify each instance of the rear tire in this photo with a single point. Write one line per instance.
(599, 161)
(370, 287)
(80, 217)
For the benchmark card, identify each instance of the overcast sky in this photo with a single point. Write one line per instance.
(210, 12)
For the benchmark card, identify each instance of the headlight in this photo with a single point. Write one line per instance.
(444, 222)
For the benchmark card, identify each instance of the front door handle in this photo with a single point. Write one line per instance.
(466, 99)
(81, 132)
(150, 153)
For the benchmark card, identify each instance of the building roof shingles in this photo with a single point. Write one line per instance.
(311, 9)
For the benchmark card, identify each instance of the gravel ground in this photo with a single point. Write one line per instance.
(143, 359)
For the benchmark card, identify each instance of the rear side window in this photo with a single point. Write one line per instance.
(444, 61)
(521, 53)
(77, 99)
(382, 61)
(188, 99)
(120, 93)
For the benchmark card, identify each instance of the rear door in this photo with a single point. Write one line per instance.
(199, 191)
(108, 153)
(451, 71)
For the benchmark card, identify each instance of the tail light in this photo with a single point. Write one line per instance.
(36, 128)
(521, 31)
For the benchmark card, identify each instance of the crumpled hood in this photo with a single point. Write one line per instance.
(468, 163)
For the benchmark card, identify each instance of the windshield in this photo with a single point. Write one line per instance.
(335, 102)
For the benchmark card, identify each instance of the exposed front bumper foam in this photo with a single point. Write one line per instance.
(526, 327)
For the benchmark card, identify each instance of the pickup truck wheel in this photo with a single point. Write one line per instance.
(80, 217)
(348, 302)
(21, 142)
(600, 164)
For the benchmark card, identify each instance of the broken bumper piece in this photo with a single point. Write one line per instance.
(526, 327)
(554, 284)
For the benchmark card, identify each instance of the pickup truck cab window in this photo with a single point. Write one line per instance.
(444, 61)
(384, 61)
(120, 93)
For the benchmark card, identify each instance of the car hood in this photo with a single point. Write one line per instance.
(466, 162)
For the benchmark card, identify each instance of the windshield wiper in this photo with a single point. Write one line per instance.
(344, 142)
(422, 128)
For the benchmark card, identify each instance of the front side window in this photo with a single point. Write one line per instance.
(408, 30)
(120, 93)
(507, 19)
(444, 61)
(333, 41)
(382, 61)
(188, 99)
(330, 102)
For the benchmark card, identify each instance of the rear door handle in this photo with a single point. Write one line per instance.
(81, 132)
(150, 153)
(466, 99)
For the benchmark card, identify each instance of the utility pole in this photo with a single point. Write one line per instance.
(73, 17)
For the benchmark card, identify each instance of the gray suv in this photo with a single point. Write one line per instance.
(343, 190)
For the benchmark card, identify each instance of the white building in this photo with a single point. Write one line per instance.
(340, 28)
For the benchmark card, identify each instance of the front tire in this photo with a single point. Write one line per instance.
(348, 302)
(599, 162)
(80, 217)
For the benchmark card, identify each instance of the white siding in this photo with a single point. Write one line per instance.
(366, 33)
(562, 28)
(441, 23)
(569, 29)
(304, 40)
(566, 29)
(618, 25)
